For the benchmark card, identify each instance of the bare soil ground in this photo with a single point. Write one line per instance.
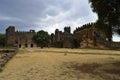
(63, 64)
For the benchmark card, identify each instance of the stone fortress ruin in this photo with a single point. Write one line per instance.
(85, 36)
(63, 39)
(20, 39)
(89, 36)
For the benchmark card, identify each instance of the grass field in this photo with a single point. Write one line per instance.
(63, 64)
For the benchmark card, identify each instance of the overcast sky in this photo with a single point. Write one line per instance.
(45, 14)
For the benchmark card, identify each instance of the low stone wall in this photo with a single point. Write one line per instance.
(5, 56)
(116, 45)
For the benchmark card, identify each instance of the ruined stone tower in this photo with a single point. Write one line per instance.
(63, 39)
(67, 29)
(10, 36)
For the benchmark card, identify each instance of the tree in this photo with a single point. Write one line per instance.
(108, 12)
(41, 38)
(2, 40)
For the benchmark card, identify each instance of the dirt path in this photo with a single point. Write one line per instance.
(33, 64)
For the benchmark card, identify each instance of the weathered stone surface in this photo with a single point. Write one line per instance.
(5, 57)
(19, 38)
(85, 36)
(63, 39)
(88, 36)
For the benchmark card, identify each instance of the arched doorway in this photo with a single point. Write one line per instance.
(19, 45)
(31, 46)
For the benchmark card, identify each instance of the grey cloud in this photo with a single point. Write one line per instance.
(44, 14)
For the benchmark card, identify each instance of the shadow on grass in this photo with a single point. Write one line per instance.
(84, 68)
(87, 68)
(95, 69)
(112, 71)
(115, 69)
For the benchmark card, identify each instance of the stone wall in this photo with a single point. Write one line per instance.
(116, 45)
(19, 39)
(10, 36)
(62, 39)
(5, 56)
(85, 36)
(88, 36)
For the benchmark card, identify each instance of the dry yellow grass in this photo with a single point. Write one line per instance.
(54, 64)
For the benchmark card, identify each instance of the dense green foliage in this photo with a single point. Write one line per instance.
(108, 15)
(41, 38)
(2, 40)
